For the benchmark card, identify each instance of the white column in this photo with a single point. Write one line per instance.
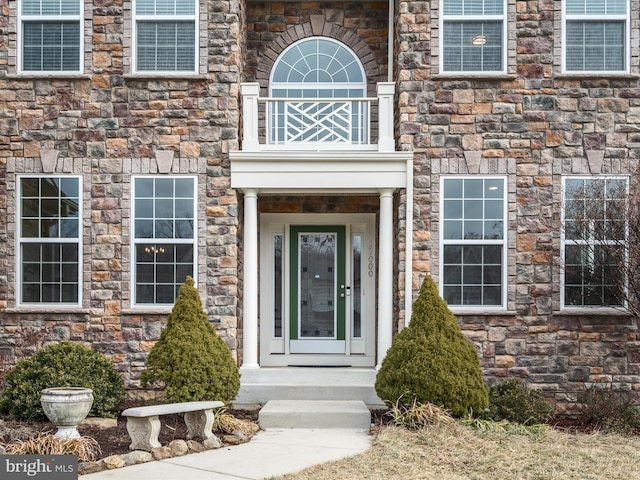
(385, 275)
(250, 283)
(250, 93)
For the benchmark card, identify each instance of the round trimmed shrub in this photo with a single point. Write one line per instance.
(64, 364)
(512, 400)
(190, 358)
(431, 361)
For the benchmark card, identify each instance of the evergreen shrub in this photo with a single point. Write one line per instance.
(512, 400)
(432, 362)
(64, 364)
(190, 359)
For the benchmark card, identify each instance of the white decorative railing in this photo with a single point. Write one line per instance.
(317, 124)
(303, 121)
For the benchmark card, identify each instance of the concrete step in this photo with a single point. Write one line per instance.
(352, 414)
(258, 386)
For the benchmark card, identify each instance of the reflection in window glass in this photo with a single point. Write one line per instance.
(594, 240)
(356, 285)
(473, 236)
(164, 229)
(50, 239)
(595, 36)
(278, 286)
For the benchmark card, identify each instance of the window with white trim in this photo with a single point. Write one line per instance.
(165, 36)
(596, 36)
(593, 240)
(50, 36)
(49, 232)
(473, 36)
(473, 241)
(164, 243)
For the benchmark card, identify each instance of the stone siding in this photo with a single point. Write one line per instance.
(535, 126)
(107, 125)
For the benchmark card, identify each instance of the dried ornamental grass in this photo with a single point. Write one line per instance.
(86, 448)
(417, 415)
(226, 423)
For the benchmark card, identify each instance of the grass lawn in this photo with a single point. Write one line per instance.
(455, 451)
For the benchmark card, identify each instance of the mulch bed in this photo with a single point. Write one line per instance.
(112, 440)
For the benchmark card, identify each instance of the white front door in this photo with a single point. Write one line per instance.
(317, 290)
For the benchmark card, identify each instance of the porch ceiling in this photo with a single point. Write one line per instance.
(320, 171)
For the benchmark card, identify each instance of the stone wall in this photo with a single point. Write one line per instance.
(108, 124)
(273, 26)
(535, 126)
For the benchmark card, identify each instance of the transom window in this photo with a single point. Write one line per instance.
(166, 33)
(596, 35)
(473, 241)
(49, 237)
(318, 69)
(594, 240)
(50, 36)
(474, 35)
(164, 242)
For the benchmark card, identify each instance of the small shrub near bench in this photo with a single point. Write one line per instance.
(64, 364)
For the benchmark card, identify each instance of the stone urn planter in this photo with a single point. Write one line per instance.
(66, 407)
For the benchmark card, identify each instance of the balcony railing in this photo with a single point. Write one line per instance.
(317, 124)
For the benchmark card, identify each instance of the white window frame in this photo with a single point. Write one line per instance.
(595, 18)
(46, 19)
(195, 18)
(503, 242)
(564, 241)
(479, 18)
(21, 240)
(135, 241)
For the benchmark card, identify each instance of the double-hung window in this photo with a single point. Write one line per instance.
(596, 36)
(164, 244)
(594, 240)
(49, 240)
(50, 36)
(473, 245)
(473, 36)
(165, 36)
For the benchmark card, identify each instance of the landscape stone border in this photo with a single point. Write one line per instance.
(175, 448)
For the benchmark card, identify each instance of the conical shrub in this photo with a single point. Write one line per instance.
(190, 358)
(431, 360)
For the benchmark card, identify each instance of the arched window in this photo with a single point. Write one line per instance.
(318, 69)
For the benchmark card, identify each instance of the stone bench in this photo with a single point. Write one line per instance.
(143, 424)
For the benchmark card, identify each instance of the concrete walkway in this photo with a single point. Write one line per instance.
(270, 452)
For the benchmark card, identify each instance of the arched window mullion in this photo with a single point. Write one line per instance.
(326, 71)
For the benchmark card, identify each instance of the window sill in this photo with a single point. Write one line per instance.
(47, 309)
(585, 311)
(473, 76)
(165, 76)
(146, 311)
(484, 313)
(48, 76)
(595, 75)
